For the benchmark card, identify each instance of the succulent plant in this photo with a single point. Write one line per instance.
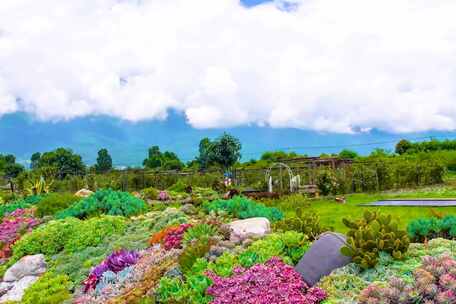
(304, 222)
(372, 234)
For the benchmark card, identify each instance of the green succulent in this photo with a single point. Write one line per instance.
(199, 231)
(372, 234)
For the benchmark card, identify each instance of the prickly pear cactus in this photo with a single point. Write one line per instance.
(372, 234)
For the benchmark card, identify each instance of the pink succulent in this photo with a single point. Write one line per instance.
(271, 283)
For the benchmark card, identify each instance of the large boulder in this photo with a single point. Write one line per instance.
(322, 258)
(18, 288)
(31, 265)
(84, 193)
(252, 227)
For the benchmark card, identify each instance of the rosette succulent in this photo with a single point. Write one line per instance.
(116, 262)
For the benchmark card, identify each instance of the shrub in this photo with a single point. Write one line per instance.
(273, 282)
(105, 201)
(424, 229)
(434, 282)
(150, 193)
(69, 234)
(54, 202)
(13, 226)
(372, 234)
(307, 223)
(241, 207)
(49, 289)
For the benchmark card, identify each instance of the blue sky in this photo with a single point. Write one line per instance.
(254, 2)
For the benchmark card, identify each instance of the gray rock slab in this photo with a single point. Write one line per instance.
(322, 258)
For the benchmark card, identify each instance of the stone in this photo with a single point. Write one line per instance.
(322, 258)
(247, 242)
(5, 287)
(217, 251)
(30, 265)
(17, 291)
(189, 209)
(84, 193)
(252, 227)
(227, 244)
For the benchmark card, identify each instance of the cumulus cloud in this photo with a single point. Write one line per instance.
(324, 65)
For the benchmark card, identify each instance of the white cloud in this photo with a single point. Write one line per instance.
(325, 65)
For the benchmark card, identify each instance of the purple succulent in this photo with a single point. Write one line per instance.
(118, 260)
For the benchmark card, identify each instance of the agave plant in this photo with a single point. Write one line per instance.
(39, 186)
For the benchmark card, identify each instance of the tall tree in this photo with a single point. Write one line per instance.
(34, 160)
(64, 161)
(225, 151)
(403, 146)
(203, 158)
(104, 161)
(166, 160)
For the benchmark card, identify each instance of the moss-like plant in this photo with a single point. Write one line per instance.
(372, 234)
(49, 289)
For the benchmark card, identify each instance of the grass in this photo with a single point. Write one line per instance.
(331, 213)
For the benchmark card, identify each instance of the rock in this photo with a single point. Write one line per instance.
(187, 200)
(257, 226)
(227, 244)
(83, 193)
(17, 291)
(322, 258)
(217, 251)
(247, 242)
(189, 209)
(5, 287)
(30, 265)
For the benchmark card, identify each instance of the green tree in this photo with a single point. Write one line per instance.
(154, 159)
(403, 146)
(225, 151)
(203, 158)
(34, 160)
(348, 154)
(8, 166)
(63, 161)
(166, 160)
(104, 161)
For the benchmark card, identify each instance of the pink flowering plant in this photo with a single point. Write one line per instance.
(13, 226)
(273, 282)
(173, 238)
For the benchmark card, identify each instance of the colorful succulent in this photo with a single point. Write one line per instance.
(271, 283)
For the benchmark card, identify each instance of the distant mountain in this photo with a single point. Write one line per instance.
(127, 142)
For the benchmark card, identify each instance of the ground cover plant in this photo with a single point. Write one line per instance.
(55, 202)
(181, 255)
(105, 201)
(23, 203)
(424, 229)
(242, 208)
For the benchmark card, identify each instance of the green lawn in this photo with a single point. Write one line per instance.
(332, 213)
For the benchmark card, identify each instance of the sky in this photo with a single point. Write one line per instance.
(322, 65)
